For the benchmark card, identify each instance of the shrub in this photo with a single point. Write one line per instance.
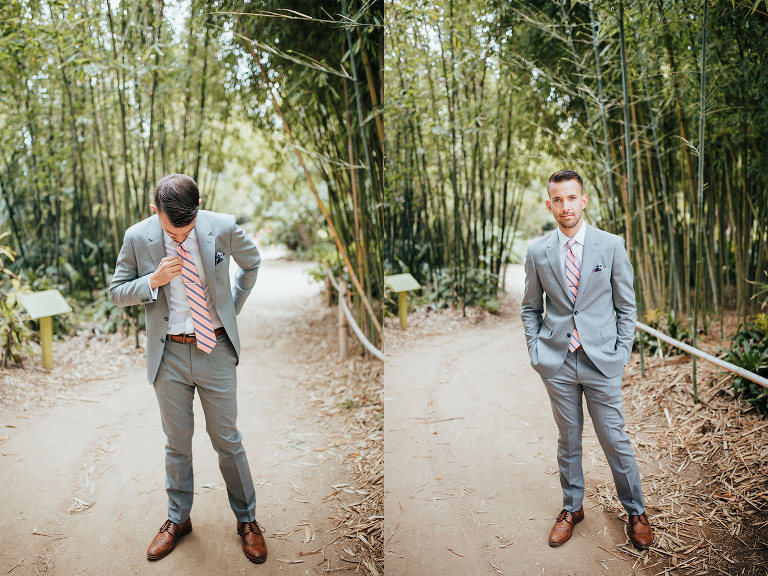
(749, 350)
(482, 289)
(15, 334)
(669, 325)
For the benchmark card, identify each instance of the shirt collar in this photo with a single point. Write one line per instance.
(172, 243)
(579, 236)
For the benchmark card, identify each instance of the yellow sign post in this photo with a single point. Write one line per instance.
(402, 283)
(43, 305)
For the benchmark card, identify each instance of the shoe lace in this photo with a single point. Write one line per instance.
(167, 527)
(641, 519)
(251, 526)
(565, 515)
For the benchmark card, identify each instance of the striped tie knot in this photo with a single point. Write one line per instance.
(198, 307)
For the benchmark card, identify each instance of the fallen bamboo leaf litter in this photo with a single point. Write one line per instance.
(688, 455)
(706, 492)
(348, 396)
(80, 359)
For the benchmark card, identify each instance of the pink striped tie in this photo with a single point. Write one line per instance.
(204, 334)
(572, 275)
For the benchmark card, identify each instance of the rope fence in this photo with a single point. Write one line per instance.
(756, 378)
(347, 319)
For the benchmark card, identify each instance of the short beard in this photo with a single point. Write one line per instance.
(573, 225)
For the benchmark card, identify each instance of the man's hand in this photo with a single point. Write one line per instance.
(170, 268)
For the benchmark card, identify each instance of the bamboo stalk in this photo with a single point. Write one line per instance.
(603, 114)
(631, 247)
(700, 192)
(321, 205)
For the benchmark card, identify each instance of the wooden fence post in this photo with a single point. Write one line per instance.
(342, 320)
(328, 292)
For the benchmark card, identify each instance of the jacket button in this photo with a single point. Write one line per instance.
(569, 334)
(165, 318)
(576, 313)
(163, 340)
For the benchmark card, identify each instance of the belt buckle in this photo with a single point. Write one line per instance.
(183, 338)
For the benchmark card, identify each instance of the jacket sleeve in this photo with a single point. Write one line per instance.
(533, 302)
(127, 288)
(622, 283)
(248, 259)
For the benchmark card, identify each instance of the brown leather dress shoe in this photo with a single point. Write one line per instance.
(166, 539)
(254, 545)
(640, 533)
(563, 528)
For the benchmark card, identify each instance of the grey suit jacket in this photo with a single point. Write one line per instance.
(144, 248)
(604, 312)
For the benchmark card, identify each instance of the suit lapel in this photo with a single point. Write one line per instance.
(588, 258)
(206, 242)
(553, 255)
(156, 248)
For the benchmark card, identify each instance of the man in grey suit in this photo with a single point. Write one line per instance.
(176, 264)
(579, 315)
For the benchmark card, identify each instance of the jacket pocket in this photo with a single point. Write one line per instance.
(606, 333)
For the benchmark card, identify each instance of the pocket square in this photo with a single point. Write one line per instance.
(599, 268)
(219, 257)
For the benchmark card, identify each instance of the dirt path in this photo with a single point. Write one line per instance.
(83, 480)
(470, 422)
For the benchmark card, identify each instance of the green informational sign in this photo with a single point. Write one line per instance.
(43, 305)
(46, 303)
(401, 282)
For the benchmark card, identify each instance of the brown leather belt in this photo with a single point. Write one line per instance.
(190, 338)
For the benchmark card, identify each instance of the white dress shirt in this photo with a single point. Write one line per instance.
(578, 246)
(179, 317)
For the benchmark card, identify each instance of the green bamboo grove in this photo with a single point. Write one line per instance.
(328, 72)
(99, 99)
(97, 104)
(501, 93)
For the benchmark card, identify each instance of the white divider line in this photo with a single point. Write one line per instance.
(756, 378)
(351, 319)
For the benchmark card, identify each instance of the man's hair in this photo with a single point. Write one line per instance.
(177, 196)
(565, 175)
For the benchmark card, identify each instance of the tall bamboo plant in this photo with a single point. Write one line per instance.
(700, 225)
(452, 187)
(92, 101)
(327, 92)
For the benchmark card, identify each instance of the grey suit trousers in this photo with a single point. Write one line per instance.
(183, 369)
(576, 376)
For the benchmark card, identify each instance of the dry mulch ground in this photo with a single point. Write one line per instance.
(349, 395)
(426, 322)
(78, 360)
(348, 398)
(705, 468)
